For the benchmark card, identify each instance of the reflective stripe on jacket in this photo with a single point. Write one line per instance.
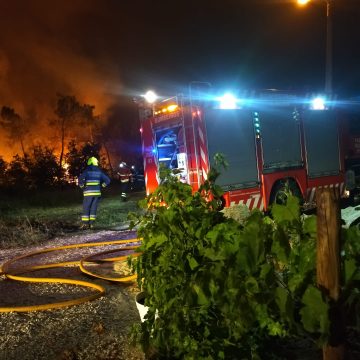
(92, 180)
(124, 175)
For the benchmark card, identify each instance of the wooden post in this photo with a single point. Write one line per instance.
(328, 265)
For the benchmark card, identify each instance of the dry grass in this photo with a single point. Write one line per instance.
(14, 233)
(23, 223)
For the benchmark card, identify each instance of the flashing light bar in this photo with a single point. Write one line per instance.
(230, 101)
(168, 109)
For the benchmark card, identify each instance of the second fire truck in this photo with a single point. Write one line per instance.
(271, 143)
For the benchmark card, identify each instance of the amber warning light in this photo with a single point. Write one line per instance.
(167, 109)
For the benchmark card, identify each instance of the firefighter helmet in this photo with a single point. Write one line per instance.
(93, 161)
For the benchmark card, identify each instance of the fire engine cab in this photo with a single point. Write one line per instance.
(271, 143)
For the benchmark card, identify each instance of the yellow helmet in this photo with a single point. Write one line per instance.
(93, 161)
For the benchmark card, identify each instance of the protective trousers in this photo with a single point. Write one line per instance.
(90, 205)
(125, 185)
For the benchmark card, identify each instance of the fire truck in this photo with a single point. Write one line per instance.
(272, 143)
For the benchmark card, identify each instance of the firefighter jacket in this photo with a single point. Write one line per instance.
(92, 180)
(125, 175)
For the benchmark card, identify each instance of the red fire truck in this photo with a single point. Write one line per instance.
(271, 142)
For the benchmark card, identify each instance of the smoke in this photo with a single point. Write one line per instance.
(49, 48)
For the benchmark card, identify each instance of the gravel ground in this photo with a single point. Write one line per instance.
(96, 330)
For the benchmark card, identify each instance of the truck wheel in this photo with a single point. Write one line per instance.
(281, 191)
(221, 203)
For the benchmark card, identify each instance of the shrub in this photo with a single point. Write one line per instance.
(223, 289)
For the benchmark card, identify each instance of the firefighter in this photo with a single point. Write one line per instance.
(91, 181)
(125, 176)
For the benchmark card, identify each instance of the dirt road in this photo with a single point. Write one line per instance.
(91, 331)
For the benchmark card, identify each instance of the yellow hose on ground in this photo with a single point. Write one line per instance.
(4, 270)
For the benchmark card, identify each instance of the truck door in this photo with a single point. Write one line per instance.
(322, 143)
(280, 134)
(231, 133)
(171, 151)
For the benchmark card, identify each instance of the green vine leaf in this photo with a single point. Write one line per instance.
(309, 225)
(285, 304)
(192, 262)
(315, 313)
(281, 246)
(201, 297)
(289, 212)
(350, 269)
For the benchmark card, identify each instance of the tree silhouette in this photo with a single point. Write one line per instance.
(43, 170)
(102, 138)
(14, 125)
(75, 160)
(67, 110)
(77, 157)
(3, 167)
(18, 172)
(89, 119)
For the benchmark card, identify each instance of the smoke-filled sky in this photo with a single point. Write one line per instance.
(99, 50)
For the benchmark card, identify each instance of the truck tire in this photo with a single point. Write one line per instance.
(281, 190)
(221, 203)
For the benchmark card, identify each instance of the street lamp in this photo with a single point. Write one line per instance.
(328, 63)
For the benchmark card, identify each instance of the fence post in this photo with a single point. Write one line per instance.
(328, 265)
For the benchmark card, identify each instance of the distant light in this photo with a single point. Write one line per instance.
(141, 129)
(303, 2)
(150, 96)
(153, 150)
(318, 104)
(228, 101)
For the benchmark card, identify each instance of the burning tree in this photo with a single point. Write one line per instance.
(89, 119)
(72, 115)
(67, 110)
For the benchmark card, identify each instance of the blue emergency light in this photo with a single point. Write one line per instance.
(228, 101)
(318, 103)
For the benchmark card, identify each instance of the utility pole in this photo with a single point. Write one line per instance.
(328, 267)
(328, 50)
(329, 60)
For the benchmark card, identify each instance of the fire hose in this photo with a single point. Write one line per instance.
(18, 275)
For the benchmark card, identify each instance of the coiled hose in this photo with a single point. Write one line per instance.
(18, 275)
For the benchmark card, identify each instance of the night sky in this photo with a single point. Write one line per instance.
(103, 51)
